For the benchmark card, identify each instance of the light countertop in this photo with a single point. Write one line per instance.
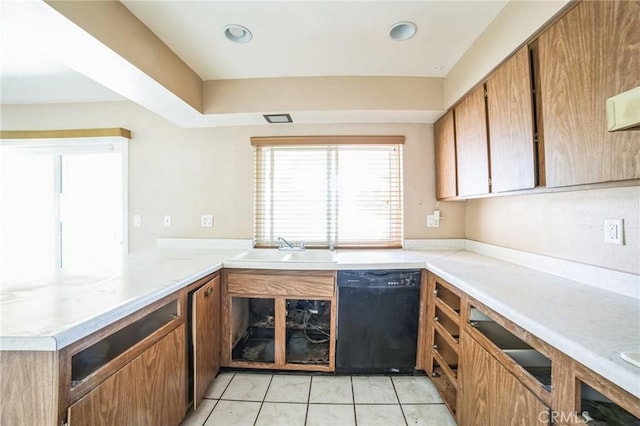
(52, 313)
(590, 324)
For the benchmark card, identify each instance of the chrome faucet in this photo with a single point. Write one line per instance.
(286, 245)
(284, 242)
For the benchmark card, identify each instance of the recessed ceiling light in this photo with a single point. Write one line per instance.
(403, 30)
(278, 118)
(237, 33)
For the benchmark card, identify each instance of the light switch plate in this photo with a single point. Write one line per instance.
(206, 221)
(137, 220)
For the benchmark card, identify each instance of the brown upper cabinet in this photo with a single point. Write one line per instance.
(585, 57)
(472, 152)
(589, 55)
(510, 120)
(445, 144)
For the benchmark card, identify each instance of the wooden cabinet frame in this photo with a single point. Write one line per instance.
(539, 345)
(204, 333)
(279, 286)
(43, 393)
(438, 294)
(561, 402)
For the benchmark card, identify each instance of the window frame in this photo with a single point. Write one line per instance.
(60, 143)
(329, 141)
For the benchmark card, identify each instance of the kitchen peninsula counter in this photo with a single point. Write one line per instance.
(590, 324)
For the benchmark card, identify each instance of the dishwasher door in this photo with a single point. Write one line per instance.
(377, 321)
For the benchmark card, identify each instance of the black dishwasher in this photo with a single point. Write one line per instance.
(377, 321)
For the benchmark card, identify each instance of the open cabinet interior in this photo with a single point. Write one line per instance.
(255, 323)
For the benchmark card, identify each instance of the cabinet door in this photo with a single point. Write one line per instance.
(471, 144)
(491, 395)
(586, 57)
(445, 150)
(150, 390)
(206, 337)
(510, 117)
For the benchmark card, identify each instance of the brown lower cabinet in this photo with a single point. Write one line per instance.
(489, 371)
(144, 369)
(491, 395)
(205, 337)
(273, 319)
(148, 391)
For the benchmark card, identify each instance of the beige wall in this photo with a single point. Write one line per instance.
(566, 225)
(188, 172)
(323, 93)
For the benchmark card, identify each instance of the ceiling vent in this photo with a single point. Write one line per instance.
(278, 118)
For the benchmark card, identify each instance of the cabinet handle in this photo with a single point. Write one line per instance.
(435, 319)
(435, 292)
(435, 346)
(208, 292)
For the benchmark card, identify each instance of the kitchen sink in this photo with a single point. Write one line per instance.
(274, 255)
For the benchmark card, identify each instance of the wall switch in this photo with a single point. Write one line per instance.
(137, 220)
(614, 231)
(206, 221)
(167, 220)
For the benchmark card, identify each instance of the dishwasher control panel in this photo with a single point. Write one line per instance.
(379, 278)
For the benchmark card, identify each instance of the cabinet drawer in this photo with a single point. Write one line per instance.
(447, 298)
(297, 284)
(447, 352)
(97, 357)
(443, 318)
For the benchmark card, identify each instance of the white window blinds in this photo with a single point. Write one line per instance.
(341, 191)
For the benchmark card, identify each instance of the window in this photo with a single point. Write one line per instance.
(342, 191)
(62, 205)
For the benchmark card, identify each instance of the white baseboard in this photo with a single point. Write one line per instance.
(435, 244)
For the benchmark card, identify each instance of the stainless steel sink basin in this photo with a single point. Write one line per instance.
(297, 256)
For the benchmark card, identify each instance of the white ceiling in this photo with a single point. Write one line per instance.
(317, 38)
(290, 38)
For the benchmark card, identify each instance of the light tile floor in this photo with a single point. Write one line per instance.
(297, 399)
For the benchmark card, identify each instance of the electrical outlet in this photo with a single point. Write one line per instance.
(206, 221)
(614, 231)
(137, 221)
(433, 221)
(167, 220)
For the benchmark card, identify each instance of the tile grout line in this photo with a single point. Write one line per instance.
(306, 413)
(218, 400)
(398, 398)
(263, 398)
(353, 398)
(211, 412)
